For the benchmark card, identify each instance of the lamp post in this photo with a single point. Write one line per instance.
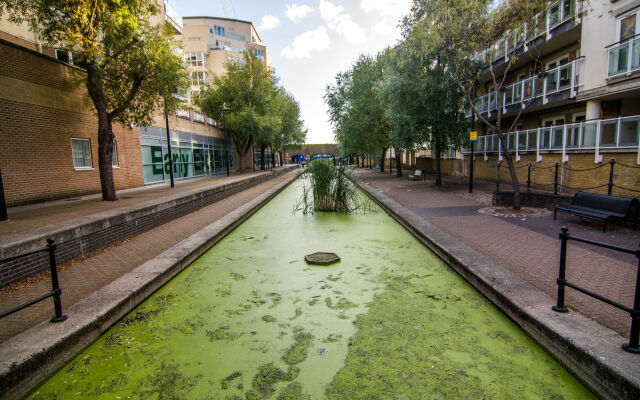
(3, 205)
(166, 118)
(225, 109)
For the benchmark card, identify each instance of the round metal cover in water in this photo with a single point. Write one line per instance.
(322, 258)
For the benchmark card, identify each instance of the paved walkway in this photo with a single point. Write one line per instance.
(529, 247)
(24, 218)
(85, 276)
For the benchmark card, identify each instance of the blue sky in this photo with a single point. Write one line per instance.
(310, 41)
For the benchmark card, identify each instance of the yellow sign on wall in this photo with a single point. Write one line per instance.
(473, 136)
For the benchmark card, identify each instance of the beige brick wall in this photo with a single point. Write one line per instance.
(40, 111)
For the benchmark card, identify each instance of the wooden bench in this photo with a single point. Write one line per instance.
(600, 207)
(416, 175)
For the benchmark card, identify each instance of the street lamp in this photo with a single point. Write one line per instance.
(225, 109)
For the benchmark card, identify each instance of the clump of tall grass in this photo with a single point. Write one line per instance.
(326, 187)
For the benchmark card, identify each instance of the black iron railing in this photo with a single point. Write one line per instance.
(55, 286)
(634, 337)
(559, 169)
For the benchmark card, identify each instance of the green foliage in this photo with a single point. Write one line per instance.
(357, 114)
(259, 110)
(329, 188)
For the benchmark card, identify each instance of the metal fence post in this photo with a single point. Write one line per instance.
(555, 180)
(57, 304)
(529, 177)
(610, 184)
(634, 337)
(564, 237)
(498, 180)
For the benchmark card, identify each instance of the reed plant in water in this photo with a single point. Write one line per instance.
(329, 188)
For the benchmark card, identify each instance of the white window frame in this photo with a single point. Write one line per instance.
(623, 16)
(73, 159)
(180, 113)
(198, 117)
(115, 156)
(69, 56)
(200, 79)
(557, 61)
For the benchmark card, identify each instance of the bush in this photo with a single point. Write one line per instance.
(329, 188)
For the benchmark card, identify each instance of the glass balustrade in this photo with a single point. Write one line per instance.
(624, 58)
(623, 132)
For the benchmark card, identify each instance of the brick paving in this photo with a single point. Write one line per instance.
(531, 250)
(90, 274)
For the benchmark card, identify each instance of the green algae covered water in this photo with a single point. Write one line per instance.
(250, 320)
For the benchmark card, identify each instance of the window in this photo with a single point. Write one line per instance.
(211, 121)
(218, 30)
(198, 78)
(552, 135)
(81, 153)
(114, 157)
(198, 117)
(195, 59)
(627, 27)
(64, 56)
(182, 113)
(259, 54)
(193, 38)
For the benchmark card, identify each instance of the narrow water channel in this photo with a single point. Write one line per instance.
(251, 320)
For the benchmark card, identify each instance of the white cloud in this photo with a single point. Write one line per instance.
(306, 43)
(296, 12)
(269, 22)
(341, 22)
(387, 8)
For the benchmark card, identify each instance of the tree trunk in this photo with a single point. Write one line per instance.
(438, 157)
(273, 159)
(382, 160)
(262, 158)
(281, 159)
(398, 164)
(512, 171)
(105, 133)
(370, 162)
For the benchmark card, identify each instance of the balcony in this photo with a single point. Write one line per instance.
(615, 133)
(542, 27)
(624, 57)
(556, 84)
(172, 16)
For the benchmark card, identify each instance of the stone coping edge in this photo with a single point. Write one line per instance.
(29, 358)
(587, 349)
(65, 231)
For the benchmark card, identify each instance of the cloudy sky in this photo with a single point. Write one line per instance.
(310, 41)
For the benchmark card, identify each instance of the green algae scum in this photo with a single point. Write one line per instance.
(251, 320)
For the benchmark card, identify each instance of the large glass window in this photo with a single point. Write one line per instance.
(198, 78)
(195, 59)
(81, 153)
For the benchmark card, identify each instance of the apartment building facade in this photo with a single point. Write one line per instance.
(574, 77)
(48, 131)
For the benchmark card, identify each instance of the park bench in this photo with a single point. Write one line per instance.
(416, 175)
(600, 207)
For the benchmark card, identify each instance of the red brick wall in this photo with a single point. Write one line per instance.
(35, 140)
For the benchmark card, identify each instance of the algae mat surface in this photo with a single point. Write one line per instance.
(250, 320)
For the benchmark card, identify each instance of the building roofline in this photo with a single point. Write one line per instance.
(223, 18)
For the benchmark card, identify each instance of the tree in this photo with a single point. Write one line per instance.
(356, 112)
(424, 103)
(458, 31)
(291, 132)
(247, 90)
(128, 58)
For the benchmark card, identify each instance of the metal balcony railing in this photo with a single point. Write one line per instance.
(624, 57)
(613, 133)
(542, 24)
(523, 92)
(172, 16)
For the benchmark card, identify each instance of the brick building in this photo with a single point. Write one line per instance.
(48, 130)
